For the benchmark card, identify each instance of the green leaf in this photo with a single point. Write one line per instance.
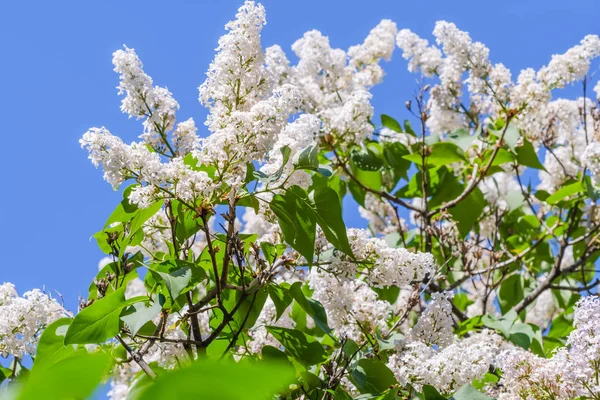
(250, 309)
(390, 123)
(51, 347)
(431, 393)
(280, 297)
(511, 292)
(511, 136)
(442, 153)
(175, 280)
(74, 377)
(261, 176)
(300, 346)
(502, 157)
(408, 128)
(368, 158)
(461, 138)
(221, 380)
(307, 158)
(526, 156)
(502, 324)
(467, 212)
(98, 322)
(312, 307)
(297, 220)
(394, 153)
(521, 334)
(328, 210)
(139, 314)
(372, 376)
(468, 392)
(565, 191)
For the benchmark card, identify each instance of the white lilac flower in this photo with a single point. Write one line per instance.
(448, 368)
(144, 100)
(352, 306)
(435, 325)
(591, 159)
(23, 319)
(387, 266)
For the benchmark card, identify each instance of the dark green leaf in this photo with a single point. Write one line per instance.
(467, 212)
(297, 220)
(372, 376)
(390, 123)
(312, 307)
(307, 158)
(328, 210)
(280, 297)
(302, 347)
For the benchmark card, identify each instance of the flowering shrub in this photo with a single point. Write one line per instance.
(230, 272)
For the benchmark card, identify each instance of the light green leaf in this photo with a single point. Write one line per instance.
(176, 280)
(221, 380)
(139, 314)
(468, 392)
(390, 123)
(98, 322)
(565, 191)
(51, 347)
(74, 377)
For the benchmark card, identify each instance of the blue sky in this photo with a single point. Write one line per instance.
(57, 81)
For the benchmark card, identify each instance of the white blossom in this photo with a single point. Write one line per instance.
(22, 319)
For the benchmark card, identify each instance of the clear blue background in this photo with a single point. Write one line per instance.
(57, 81)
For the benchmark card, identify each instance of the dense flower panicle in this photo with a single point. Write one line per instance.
(235, 77)
(185, 137)
(277, 65)
(435, 325)
(378, 45)
(570, 373)
(141, 99)
(420, 55)
(22, 319)
(591, 159)
(448, 368)
(121, 161)
(134, 82)
(351, 305)
(250, 134)
(388, 266)
(572, 65)
(320, 71)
